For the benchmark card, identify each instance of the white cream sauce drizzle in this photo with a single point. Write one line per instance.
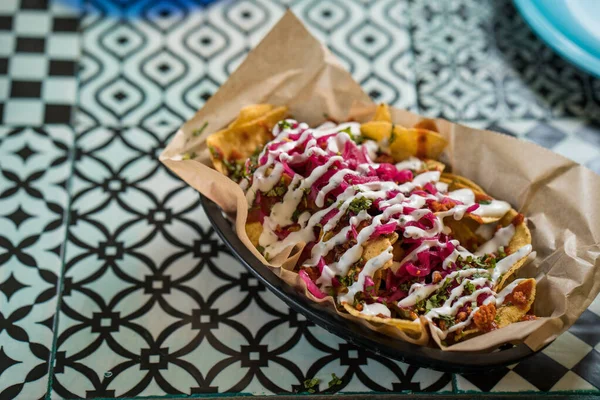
(501, 238)
(268, 176)
(369, 269)
(375, 309)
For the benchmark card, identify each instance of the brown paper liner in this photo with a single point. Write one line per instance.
(560, 198)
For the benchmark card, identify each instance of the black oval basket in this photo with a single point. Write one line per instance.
(373, 341)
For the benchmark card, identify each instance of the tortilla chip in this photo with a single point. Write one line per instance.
(464, 230)
(406, 326)
(428, 124)
(250, 113)
(254, 230)
(456, 182)
(374, 247)
(377, 130)
(414, 142)
(434, 165)
(241, 139)
(382, 113)
(509, 313)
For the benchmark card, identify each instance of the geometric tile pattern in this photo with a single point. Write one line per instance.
(480, 60)
(34, 167)
(160, 62)
(149, 301)
(571, 363)
(39, 50)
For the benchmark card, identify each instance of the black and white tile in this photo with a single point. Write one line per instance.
(158, 62)
(480, 60)
(569, 364)
(34, 169)
(39, 50)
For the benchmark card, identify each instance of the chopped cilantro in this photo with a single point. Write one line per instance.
(296, 215)
(189, 156)
(484, 202)
(392, 136)
(497, 318)
(235, 169)
(260, 249)
(469, 287)
(430, 305)
(448, 318)
(481, 275)
(334, 381)
(277, 191)
(358, 139)
(215, 152)
(360, 203)
(199, 131)
(284, 125)
(348, 280)
(309, 384)
(501, 252)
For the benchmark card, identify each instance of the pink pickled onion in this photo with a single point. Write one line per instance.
(329, 215)
(385, 229)
(472, 208)
(310, 285)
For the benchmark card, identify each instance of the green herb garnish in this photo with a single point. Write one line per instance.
(469, 287)
(360, 203)
(309, 384)
(501, 252)
(448, 318)
(199, 131)
(284, 125)
(484, 202)
(334, 381)
(348, 280)
(392, 136)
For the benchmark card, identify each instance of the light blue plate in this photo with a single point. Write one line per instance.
(570, 27)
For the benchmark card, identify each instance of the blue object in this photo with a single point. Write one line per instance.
(570, 27)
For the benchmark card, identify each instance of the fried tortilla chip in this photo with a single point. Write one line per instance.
(428, 124)
(514, 308)
(377, 130)
(456, 182)
(241, 139)
(409, 327)
(254, 230)
(251, 113)
(382, 113)
(434, 165)
(414, 142)
(517, 304)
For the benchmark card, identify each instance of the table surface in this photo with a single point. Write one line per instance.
(112, 282)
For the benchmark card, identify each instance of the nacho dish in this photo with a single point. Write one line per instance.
(381, 225)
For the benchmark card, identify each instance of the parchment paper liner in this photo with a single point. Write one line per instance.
(560, 198)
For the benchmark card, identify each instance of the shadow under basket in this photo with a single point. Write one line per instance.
(428, 357)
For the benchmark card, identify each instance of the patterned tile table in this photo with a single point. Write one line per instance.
(113, 284)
